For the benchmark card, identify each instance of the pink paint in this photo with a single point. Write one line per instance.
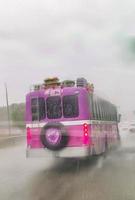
(28, 136)
(79, 135)
(53, 136)
(75, 133)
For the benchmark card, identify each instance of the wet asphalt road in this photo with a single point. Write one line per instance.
(109, 178)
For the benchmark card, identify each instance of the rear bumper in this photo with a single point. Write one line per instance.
(67, 152)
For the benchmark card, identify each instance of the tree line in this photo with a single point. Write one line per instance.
(17, 114)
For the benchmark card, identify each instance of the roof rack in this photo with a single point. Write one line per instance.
(90, 87)
(36, 87)
(81, 82)
(51, 82)
(54, 83)
(68, 83)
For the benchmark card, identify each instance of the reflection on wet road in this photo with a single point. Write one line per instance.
(105, 178)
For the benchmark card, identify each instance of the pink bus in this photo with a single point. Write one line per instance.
(68, 120)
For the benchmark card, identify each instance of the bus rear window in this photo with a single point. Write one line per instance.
(70, 106)
(54, 109)
(38, 108)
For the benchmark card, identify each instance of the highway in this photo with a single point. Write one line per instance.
(105, 178)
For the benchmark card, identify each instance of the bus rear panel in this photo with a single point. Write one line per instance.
(64, 109)
(69, 122)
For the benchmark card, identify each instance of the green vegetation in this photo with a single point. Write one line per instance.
(17, 114)
(131, 44)
(3, 113)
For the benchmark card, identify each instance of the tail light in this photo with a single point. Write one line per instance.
(28, 135)
(85, 133)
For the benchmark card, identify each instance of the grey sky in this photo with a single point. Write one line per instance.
(67, 39)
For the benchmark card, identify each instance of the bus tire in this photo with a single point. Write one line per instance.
(61, 134)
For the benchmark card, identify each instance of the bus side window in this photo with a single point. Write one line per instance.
(97, 109)
(115, 114)
(105, 113)
(91, 106)
(109, 112)
(112, 117)
(107, 108)
(95, 117)
(100, 110)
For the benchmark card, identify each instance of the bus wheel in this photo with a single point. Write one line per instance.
(54, 136)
